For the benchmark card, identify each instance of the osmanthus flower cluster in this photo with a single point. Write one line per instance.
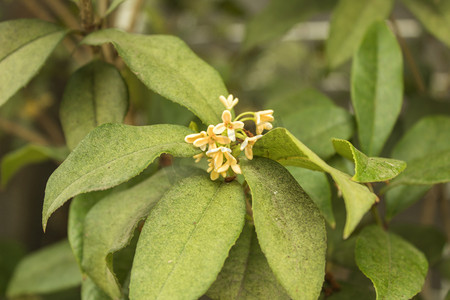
(222, 143)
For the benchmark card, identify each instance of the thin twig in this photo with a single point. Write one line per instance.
(22, 132)
(445, 210)
(51, 128)
(134, 15)
(63, 13)
(86, 15)
(409, 58)
(36, 9)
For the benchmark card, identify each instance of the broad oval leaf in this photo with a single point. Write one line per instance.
(110, 224)
(50, 269)
(174, 257)
(109, 155)
(290, 228)
(90, 291)
(349, 22)
(369, 169)
(246, 273)
(29, 154)
(280, 145)
(25, 45)
(377, 87)
(95, 94)
(434, 15)
(167, 66)
(316, 185)
(396, 268)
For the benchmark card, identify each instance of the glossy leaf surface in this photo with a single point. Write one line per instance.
(167, 66)
(109, 155)
(174, 257)
(290, 228)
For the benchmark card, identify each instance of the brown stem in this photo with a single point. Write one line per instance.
(64, 13)
(36, 9)
(409, 58)
(135, 14)
(22, 132)
(87, 18)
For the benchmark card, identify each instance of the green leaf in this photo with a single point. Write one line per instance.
(110, 224)
(290, 228)
(90, 291)
(426, 149)
(113, 6)
(314, 119)
(29, 154)
(25, 45)
(277, 18)
(316, 185)
(396, 268)
(246, 273)
(11, 252)
(173, 257)
(167, 66)
(369, 169)
(95, 94)
(109, 155)
(280, 145)
(377, 87)
(349, 22)
(434, 15)
(427, 239)
(50, 269)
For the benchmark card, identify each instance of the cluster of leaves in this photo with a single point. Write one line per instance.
(143, 232)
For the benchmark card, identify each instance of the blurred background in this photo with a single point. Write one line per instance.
(266, 51)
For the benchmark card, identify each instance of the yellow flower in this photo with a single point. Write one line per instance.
(229, 102)
(228, 125)
(263, 119)
(248, 145)
(217, 155)
(214, 174)
(206, 138)
(198, 157)
(231, 162)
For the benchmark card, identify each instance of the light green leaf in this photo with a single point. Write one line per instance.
(316, 185)
(349, 22)
(314, 119)
(426, 149)
(246, 273)
(167, 66)
(90, 291)
(277, 18)
(110, 224)
(280, 145)
(79, 207)
(434, 15)
(369, 169)
(174, 257)
(25, 45)
(95, 94)
(50, 269)
(377, 87)
(290, 228)
(29, 154)
(396, 268)
(109, 155)
(113, 6)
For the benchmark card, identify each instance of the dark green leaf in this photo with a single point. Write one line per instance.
(277, 18)
(280, 145)
(434, 15)
(246, 273)
(167, 66)
(427, 239)
(110, 224)
(11, 252)
(396, 268)
(369, 169)
(25, 45)
(349, 22)
(316, 185)
(110, 155)
(290, 228)
(377, 87)
(29, 154)
(89, 291)
(95, 94)
(401, 197)
(50, 269)
(174, 257)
